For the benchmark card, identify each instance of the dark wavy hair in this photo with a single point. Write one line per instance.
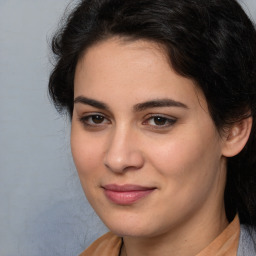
(212, 42)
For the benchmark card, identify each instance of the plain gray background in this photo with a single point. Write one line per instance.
(43, 211)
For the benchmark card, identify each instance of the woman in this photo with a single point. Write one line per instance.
(162, 99)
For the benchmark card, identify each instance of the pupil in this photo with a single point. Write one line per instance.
(97, 119)
(160, 120)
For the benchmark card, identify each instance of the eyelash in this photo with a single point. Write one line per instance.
(168, 121)
(87, 121)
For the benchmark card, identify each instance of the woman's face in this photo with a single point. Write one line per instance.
(146, 149)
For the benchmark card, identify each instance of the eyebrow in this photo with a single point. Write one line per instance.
(91, 102)
(158, 103)
(137, 108)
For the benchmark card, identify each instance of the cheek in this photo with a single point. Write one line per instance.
(189, 174)
(87, 158)
(86, 152)
(188, 160)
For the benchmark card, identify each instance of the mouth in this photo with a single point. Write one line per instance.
(126, 194)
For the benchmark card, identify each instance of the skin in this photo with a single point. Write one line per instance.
(179, 154)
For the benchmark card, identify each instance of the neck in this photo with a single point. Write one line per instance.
(186, 240)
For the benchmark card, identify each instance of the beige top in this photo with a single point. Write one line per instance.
(226, 244)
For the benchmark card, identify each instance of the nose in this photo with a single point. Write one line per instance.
(123, 152)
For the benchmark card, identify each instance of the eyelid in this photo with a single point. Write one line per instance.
(85, 116)
(171, 121)
(84, 119)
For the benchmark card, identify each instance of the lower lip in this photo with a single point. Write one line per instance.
(126, 197)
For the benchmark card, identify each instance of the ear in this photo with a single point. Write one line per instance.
(236, 137)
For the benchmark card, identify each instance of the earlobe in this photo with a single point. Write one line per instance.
(237, 137)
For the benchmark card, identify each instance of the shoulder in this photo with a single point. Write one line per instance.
(107, 245)
(247, 241)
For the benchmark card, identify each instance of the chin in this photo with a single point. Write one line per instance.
(130, 232)
(131, 226)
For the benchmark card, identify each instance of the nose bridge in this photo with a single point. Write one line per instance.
(123, 151)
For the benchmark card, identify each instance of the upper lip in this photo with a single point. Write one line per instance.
(126, 187)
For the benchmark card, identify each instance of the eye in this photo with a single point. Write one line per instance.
(97, 119)
(159, 122)
(94, 120)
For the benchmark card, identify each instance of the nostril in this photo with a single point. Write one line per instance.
(129, 161)
(122, 150)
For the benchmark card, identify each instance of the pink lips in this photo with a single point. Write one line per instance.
(126, 194)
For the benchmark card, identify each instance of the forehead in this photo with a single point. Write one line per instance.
(138, 70)
(119, 53)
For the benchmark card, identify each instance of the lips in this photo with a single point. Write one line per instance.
(126, 194)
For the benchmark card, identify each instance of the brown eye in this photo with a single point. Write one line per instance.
(97, 119)
(160, 120)
(94, 120)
